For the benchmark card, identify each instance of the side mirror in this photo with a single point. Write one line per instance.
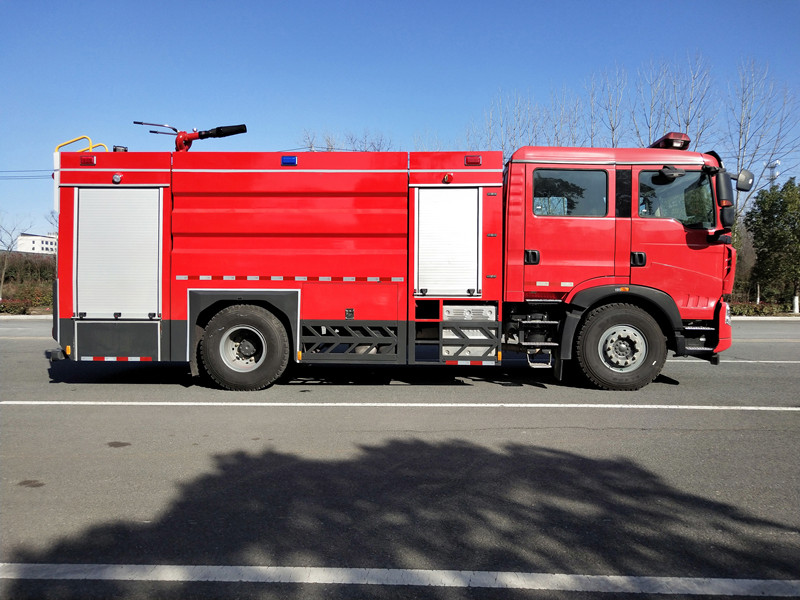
(744, 181)
(724, 189)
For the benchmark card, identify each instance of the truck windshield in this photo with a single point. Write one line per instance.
(686, 198)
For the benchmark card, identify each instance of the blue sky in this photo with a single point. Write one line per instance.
(404, 69)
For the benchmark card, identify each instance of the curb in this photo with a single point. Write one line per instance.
(26, 317)
(786, 318)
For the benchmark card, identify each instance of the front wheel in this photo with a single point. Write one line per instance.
(244, 348)
(621, 347)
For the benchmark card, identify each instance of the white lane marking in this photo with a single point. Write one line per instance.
(767, 341)
(766, 362)
(407, 577)
(399, 405)
(692, 361)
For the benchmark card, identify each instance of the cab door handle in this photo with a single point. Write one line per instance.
(531, 257)
(638, 259)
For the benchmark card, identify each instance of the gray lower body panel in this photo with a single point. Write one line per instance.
(118, 340)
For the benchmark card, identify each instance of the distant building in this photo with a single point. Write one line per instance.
(40, 244)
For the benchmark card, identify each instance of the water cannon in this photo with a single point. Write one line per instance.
(184, 139)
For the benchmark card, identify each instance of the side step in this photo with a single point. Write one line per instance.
(540, 360)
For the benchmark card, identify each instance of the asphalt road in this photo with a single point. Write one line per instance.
(408, 472)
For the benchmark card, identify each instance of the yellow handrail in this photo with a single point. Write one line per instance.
(89, 148)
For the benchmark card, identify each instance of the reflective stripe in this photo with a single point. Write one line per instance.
(286, 278)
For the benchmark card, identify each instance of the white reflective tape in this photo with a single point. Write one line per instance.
(182, 277)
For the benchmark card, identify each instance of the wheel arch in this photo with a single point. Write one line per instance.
(204, 304)
(656, 303)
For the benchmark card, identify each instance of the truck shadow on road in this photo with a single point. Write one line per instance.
(65, 371)
(515, 375)
(316, 375)
(416, 504)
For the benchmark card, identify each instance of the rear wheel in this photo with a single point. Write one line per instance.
(621, 347)
(244, 348)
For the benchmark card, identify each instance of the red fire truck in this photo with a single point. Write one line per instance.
(238, 262)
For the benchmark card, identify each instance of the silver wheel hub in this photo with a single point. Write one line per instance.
(243, 348)
(622, 348)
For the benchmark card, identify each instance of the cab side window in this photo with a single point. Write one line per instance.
(570, 193)
(686, 198)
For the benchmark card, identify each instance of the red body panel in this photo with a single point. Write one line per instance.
(339, 220)
(66, 252)
(679, 260)
(515, 233)
(573, 250)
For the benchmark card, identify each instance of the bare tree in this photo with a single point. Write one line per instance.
(510, 122)
(611, 104)
(9, 232)
(366, 142)
(591, 117)
(691, 101)
(52, 220)
(649, 114)
(563, 122)
(310, 140)
(763, 125)
(430, 142)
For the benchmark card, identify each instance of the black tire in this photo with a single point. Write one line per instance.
(620, 347)
(244, 348)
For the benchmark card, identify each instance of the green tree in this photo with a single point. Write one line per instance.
(774, 224)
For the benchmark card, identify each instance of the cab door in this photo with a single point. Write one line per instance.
(670, 245)
(569, 227)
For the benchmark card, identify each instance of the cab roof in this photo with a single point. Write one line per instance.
(609, 156)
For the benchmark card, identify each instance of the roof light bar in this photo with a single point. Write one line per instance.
(673, 141)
